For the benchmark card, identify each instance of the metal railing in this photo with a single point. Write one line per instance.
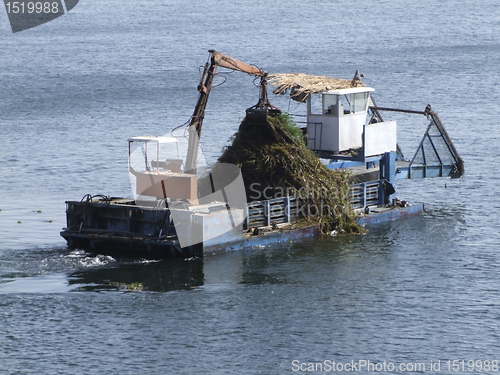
(272, 211)
(366, 194)
(289, 209)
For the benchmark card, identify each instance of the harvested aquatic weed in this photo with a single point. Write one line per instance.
(276, 162)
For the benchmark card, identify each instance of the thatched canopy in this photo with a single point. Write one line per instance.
(301, 85)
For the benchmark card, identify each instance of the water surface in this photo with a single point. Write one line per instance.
(75, 89)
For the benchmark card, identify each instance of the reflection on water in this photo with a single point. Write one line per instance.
(161, 276)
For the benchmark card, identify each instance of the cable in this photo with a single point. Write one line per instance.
(222, 75)
(89, 198)
(180, 126)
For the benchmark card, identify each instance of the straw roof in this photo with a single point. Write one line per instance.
(301, 85)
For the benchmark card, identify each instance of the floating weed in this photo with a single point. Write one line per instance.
(133, 287)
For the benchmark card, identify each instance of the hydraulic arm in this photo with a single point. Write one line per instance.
(217, 59)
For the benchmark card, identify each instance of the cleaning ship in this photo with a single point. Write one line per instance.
(184, 208)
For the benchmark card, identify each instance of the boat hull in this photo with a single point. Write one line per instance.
(118, 226)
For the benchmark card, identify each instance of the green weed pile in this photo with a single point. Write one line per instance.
(275, 161)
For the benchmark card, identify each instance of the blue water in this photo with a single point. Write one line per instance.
(75, 89)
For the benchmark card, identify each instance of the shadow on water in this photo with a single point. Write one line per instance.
(157, 276)
(57, 270)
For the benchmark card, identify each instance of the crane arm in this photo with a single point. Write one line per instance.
(216, 59)
(228, 62)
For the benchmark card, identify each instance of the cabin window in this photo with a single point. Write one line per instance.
(356, 102)
(329, 104)
(360, 101)
(316, 105)
(154, 156)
